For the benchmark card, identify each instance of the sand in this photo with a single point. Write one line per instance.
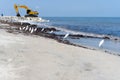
(29, 57)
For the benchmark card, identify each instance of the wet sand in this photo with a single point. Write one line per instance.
(31, 57)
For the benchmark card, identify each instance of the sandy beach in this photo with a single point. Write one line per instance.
(26, 57)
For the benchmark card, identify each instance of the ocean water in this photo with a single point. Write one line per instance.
(95, 25)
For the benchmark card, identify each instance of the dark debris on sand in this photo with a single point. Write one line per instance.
(15, 28)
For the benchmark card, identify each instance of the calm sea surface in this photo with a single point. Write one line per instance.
(109, 26)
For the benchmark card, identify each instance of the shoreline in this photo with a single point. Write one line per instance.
(14, 27)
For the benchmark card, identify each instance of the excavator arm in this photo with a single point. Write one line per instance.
(29, 12)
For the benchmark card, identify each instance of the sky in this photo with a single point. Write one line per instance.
(65, 8)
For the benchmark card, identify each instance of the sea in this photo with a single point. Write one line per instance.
(91, 25)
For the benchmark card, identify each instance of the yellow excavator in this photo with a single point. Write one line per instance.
(29, 12)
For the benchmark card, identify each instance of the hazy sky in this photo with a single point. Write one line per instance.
(77, 8)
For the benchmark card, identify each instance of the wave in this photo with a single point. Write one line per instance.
(74, 33)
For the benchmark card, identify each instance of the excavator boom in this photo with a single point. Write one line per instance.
(29, 12)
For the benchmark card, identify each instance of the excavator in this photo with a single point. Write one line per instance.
(29, 12)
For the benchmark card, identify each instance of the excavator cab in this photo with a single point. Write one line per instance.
(29, 12)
